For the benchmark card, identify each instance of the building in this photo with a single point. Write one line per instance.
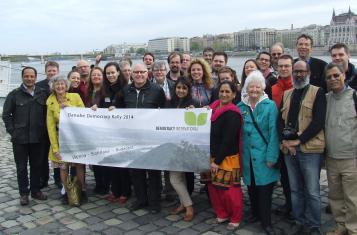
(254, 39)
(124, 48)
(167, 45)
(343, 28)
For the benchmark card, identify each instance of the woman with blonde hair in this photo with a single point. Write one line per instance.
(59, 99)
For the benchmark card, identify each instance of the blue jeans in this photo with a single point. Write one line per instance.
(304, 178)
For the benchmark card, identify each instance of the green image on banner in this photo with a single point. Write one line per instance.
(192, 120)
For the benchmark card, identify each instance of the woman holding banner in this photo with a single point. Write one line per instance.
(226, 144)
(59, 99)
(181, 99)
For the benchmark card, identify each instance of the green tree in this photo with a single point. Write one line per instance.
(195, 46)
(141, 51)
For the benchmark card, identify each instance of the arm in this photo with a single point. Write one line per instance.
(273, 142)
(52, 130)
(8, 112)
(231, 128)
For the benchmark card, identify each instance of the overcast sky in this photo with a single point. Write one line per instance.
(47, 26)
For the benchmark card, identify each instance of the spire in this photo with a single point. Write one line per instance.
(349, 10)
(333, 13)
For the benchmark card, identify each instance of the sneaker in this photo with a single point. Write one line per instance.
(24, 200)
(84, 197)
(232, 226)
(39, 196)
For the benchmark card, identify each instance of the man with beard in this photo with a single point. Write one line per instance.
(219, 60)
(208, 54)
(304, 45)
(303, 143)
(340, 54)
(174, 60)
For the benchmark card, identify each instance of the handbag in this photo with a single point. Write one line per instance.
(74, 190)
(277, 165)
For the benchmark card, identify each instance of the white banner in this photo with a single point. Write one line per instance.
(163, 139)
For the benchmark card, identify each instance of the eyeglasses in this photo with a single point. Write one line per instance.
(334, 76)
(299, 71)
(276, 54)
(139, 72)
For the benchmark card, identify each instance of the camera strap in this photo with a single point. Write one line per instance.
(256, 126)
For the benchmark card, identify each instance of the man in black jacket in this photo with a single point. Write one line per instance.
(24, 114)
(340, 54)
(144, 94)
(304, 45)
(51, 69)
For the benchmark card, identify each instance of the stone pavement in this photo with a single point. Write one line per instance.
(99, 216)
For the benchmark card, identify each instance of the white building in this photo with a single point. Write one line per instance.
(121, 49)
(343, 28)
(167, 45)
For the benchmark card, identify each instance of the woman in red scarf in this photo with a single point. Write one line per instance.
(225, 189)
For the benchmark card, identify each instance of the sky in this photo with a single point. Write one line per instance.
(77, 26)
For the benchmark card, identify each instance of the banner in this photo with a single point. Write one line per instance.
(162, 139)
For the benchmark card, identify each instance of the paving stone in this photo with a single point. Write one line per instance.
(81, 215)
(44, 220)
(25, 218)
(128, 225)
(98, 227)
(113, 231)
(11, 209)
(67, 220)
(13, 230)
(106, 215)
(135, 232)
(98, 210)
(92, 220)
(173, 217)
(74, 210)
(201, 227)
(156, 233)
(188, 231)
(29, 225)
(120, 211)
(126, 216)
(140, 212)
(9, 223)
(76, 225)
(182, 224)
(170, 230)
(148, 227)
(113, 222)
(25, 210)
(88, 206)
(210, 233)
(59, 215)
(162, 222)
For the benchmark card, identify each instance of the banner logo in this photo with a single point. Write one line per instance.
(192, 120)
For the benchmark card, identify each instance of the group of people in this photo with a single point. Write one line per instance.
(280, 121)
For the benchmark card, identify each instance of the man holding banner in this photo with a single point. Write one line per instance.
(144, 94)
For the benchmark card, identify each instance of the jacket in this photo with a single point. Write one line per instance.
(255, 151)
(53, 115)
(341, 119)
(24, 115)
(149, 96)
(316, 142)
(278, 89)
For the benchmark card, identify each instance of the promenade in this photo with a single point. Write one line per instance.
(99, 216)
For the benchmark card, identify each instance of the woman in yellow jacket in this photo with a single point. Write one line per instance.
(59, 99)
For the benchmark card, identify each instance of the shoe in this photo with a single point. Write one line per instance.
(339, 230)
(58, 184)
(328, 209)
(111, 198)
(315, 231)
(84, 197)
(178, 210)
(189, 214)
(269, 230)
(154, 209)
(64, 199)
(24, 200)
(232, 226)
(297, 229)
(39, 196)
(217, 221)
(122, 199)
(137, 206)
(252, 219)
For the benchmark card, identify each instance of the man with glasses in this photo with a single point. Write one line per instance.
(303, 143)
(341, 151)
(142, 93)
(264, 61)
(304, 45)
(340, 54)
(186, 60)
(276, 50)
(83, 69)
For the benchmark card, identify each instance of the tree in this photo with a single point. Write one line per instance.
(195, 46)
(141, 51)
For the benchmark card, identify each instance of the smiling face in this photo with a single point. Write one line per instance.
(226, 95)
(285, 68)
(29, 78)
(181, 90)
(127, 72)
(60, 87)
(175, 64)
(197, 73)
(140, 75)
(226, 76)
(264, 62)
(112, 74)
(249, 67)
(75, 79)
(340, 56)
(186, 59)
(335, 80)
(304, 48)
(51, 71)
(96, 77)
(255, 90)
(159, 74)
(218, 62)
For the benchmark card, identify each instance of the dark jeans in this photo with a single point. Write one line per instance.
(147, 192)
(121, 181)
(260, 197)
(102, 176)
(22, 154)
(45, 170)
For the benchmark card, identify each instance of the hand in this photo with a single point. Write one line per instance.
(98, 59)
(292, 151)
(294, 143)
(58, 156)
(207, 107)
(62, 106)
(270, 164)
(214, 168)
(94, 107)
(190, 107)
(111, 108)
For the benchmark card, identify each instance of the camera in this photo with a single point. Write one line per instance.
(289, 133)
